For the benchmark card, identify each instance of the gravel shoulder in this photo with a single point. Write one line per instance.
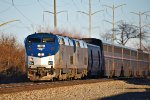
(117, 89)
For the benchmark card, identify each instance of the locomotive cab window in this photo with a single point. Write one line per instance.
(49, 40)
(34, 40)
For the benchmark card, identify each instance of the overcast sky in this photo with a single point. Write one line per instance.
(30, 15)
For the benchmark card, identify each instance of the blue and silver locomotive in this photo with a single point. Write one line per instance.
(50, 56)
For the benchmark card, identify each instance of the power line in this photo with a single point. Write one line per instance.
(6, 2)
(12, 3)
(40, 5)
(23, 14)
(47, 3)
(75, 4)
(5, 9)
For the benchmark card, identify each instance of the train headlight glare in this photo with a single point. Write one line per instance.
(40, 54)
(41, 46)
(31, 63)
(50, 62)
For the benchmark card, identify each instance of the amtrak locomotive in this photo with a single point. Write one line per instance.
(50, 57)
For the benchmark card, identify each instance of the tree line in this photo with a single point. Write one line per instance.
(12, 58)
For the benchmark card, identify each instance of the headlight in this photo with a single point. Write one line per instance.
(50, 62)
(40, 54)
(31, 62)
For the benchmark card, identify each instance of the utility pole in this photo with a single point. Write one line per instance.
(140, 24)
(113, 7)
(55, 14)
(90, 14)
(90, 21)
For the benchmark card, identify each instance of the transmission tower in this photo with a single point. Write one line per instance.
(113, 7)
(55, 14)
(90, 14)
(140, 24)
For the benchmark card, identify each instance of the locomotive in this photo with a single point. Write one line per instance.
(50, 56)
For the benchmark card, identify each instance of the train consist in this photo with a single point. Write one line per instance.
(50, 57)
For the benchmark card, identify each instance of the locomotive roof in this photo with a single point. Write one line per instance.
(40, 34)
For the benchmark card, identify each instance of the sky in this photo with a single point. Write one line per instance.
(31, 15)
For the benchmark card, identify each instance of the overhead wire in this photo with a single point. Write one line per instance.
(46, 3)
(12, 3)
(6, 2)
(23, 14)
(75, 5)
(43, 9)
(64, 4)
(5, 9)
(41, 6)
(14, 6)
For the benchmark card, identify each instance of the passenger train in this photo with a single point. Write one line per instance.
(50, 57)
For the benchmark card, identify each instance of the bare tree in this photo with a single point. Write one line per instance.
(125, 32)
(106, 36)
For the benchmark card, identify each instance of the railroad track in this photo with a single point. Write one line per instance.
(28, 86)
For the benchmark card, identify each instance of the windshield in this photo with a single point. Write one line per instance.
(34, 40)
(49, 40)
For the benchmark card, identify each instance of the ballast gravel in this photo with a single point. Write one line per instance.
(117, 89)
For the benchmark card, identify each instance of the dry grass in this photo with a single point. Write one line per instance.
(12, 56)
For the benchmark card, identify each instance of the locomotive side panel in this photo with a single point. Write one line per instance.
(81, 56)
(72, 59)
